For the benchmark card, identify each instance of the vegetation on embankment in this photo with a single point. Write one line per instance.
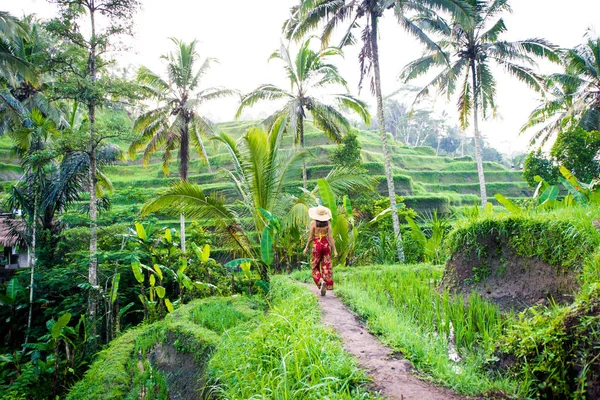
(287, 354)
(521, 259)
(126, 368)
(225, 347)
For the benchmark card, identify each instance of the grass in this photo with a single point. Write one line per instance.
(123, 369)
(401, 304)
(287, 354)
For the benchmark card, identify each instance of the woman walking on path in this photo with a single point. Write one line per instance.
(320, 234)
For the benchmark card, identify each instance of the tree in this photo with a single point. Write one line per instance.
(11, 33)
(308, 71)
(573, 99)
(466, 51)
(171, 123)
(83, 79)
(577, 150)
(348, 152)
(536, 164)
(310, 14)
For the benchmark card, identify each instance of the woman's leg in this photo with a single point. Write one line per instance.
(327, 268)
(315, 262)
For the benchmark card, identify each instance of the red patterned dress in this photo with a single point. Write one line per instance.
(321, 261)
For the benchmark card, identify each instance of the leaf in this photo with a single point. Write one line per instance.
(575, 194)
(6, 301)
(158, 271)
(266, 246)
(416, 232)
(187, 282)
(205, 253)
(141, 232)
(182, 266)
(541, 187)
(123, 310)
(59, 325)
(115, 288)
(237, 262)
(570, 177)
(348, 208)
(168, 235)
(160, 291)
(152, 280)
(509, 205)
(137, 271)
(169, 305)
(13, 289)
(551, 193)
(245, 266)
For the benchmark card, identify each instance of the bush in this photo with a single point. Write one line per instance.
(347, 153)
(537, 164)
(576, 150)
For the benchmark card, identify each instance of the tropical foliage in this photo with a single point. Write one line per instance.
(465, 55)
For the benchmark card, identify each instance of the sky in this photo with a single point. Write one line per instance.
(242, 34)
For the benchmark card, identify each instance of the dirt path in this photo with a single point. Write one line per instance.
(391, 374)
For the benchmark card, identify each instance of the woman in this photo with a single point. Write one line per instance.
(321, 236)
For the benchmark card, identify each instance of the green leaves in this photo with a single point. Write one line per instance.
(115, 288)
(137, 271)
(509, 205)
(266, 246)
(141, 232)
(59, 325)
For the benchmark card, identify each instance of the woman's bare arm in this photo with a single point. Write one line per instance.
(330, 238)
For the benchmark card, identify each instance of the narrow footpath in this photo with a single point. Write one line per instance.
(391, 374)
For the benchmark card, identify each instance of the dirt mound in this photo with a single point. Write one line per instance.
(184, 375)
(497, 273)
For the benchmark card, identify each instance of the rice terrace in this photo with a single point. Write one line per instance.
(299, 199)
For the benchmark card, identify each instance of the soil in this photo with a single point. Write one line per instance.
(185, 378)
(507, 279)
(391, 374)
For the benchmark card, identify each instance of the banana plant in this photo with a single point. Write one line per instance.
(156, 299)
(432, 245)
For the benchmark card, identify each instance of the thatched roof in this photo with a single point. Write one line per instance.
(7, 237)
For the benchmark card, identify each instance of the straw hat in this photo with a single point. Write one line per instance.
(320, 213)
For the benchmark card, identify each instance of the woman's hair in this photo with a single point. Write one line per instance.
(322, 224)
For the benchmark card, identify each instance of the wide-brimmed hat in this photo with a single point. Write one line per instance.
(320, 213)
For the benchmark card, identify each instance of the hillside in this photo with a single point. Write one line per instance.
(426, 181)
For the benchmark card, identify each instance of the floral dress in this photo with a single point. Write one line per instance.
(321, 261)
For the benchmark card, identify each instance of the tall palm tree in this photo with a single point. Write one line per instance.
(262, 176)
(308, 72)
(472, 49)
(310, 14)
(574, 94)
(176, 122)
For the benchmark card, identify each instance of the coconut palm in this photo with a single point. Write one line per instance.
(472, 49)
(308, 72)
(176, 122)
(11, 33)
(262, 176)
(574, 94)
(310, 14)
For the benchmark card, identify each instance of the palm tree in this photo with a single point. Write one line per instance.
(262, 176)
(176, 121)
(309, 71)
(310, 14)
(574, 94)
(11, 33)
(471, 50)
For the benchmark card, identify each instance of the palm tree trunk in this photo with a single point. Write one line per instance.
(184, 157)
(301, 127)
(93, 265)
(32, 260)
(478, 151)
(382, 135)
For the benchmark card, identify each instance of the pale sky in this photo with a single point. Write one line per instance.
(242, 34)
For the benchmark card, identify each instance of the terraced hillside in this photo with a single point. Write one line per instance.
(426, 181)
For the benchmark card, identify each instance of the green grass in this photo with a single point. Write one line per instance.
(122, 370)
(401, 304)
(287, 354)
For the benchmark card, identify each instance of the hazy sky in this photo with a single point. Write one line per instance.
(242, 34)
